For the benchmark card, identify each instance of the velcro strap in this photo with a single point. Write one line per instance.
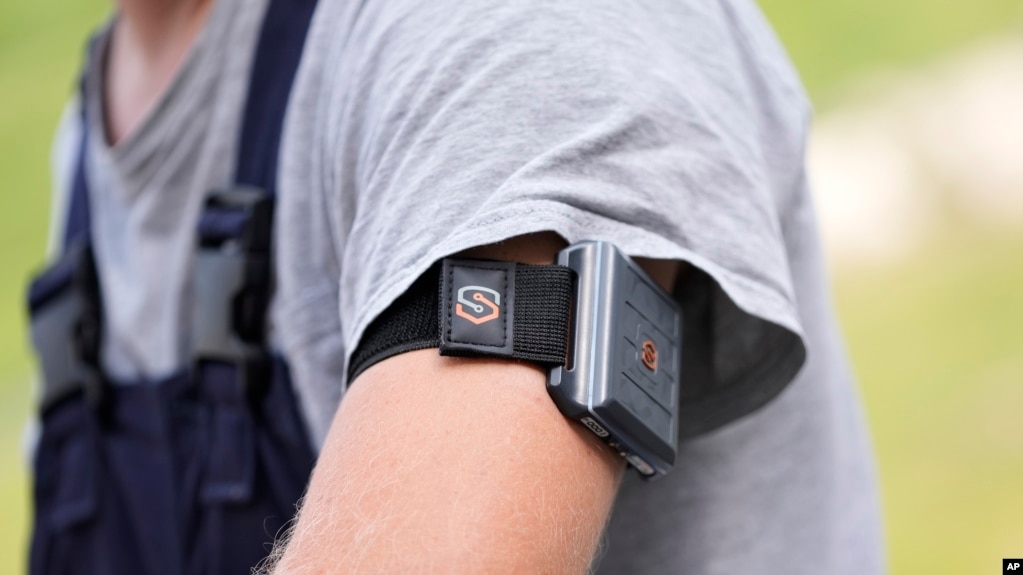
(477, 308)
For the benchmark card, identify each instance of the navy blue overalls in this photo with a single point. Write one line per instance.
(195, 474)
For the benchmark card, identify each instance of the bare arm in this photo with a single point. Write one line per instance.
(452, 465)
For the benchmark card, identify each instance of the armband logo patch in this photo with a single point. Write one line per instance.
(477, 299)
(489, 304)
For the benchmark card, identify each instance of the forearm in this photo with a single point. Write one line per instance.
(456, 466)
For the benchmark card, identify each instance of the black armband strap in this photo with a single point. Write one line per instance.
(476, 308)
(608, 335)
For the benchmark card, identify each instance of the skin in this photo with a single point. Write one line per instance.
(432, 464)
(149, 42)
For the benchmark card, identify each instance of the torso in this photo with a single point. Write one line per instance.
(371, 191)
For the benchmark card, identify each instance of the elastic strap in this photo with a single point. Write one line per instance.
(536, 303)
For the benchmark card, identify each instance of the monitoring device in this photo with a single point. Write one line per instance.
(621, 377)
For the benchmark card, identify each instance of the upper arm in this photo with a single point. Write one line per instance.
(469, 123)
(457, 466)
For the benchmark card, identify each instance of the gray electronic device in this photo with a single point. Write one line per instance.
(622, 376)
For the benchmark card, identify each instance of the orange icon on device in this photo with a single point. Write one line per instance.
(650, 355)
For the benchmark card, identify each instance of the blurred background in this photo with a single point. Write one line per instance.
(917, 160)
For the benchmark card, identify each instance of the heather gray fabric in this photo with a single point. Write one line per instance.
(674, 129)
(418, 129)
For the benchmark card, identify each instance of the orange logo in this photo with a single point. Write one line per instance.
(480, 307)
(650, 355)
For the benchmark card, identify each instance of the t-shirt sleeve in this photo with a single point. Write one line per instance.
(643, 124)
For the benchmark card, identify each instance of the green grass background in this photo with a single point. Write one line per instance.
(937, 341)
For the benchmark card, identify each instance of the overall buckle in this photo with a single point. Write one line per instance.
(232, 285)
(64, 305)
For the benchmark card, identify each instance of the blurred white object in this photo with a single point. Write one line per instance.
(946, 137)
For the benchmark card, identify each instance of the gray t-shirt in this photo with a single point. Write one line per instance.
(147, 190)
(418, 129)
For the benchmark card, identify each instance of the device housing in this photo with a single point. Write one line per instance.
(621, 378)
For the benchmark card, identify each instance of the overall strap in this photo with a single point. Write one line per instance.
(78, 219)
(278, 53)
(233, 275)
(237, 377)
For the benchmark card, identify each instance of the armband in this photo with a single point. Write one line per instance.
(608, 335)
